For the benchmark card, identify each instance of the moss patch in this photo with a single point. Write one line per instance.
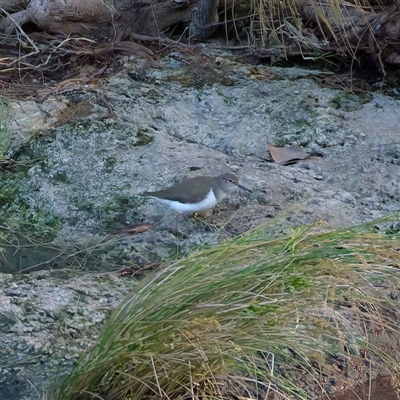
(143, 137)
(349, 102)
(18, 210)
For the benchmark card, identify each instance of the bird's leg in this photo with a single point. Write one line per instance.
(177, 232)
(176, 224)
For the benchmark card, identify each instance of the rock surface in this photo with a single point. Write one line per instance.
(47, 319)
(97, 148)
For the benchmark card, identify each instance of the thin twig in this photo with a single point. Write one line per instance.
(17, 25)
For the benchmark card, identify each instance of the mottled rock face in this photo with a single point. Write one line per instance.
(89, 170)
(46, 320)
(80, 194)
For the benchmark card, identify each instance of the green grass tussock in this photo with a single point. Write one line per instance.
(237, 317)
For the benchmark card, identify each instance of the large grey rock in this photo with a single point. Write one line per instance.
(145, 129)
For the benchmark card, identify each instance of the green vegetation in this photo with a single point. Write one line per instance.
(247, 317)
(143, 137)
(18, 212)
(16, 208)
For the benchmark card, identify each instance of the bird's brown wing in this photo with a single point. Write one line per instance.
(180, 193)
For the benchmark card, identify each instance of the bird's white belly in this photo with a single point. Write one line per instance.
(208, 202)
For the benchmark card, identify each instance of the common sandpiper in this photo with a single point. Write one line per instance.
(197, 194)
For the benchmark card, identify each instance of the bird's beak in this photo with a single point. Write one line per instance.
(244, 188)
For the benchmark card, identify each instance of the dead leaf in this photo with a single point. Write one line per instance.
(138, 272)
(135, 229)
(287, 155)
(127, 271)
